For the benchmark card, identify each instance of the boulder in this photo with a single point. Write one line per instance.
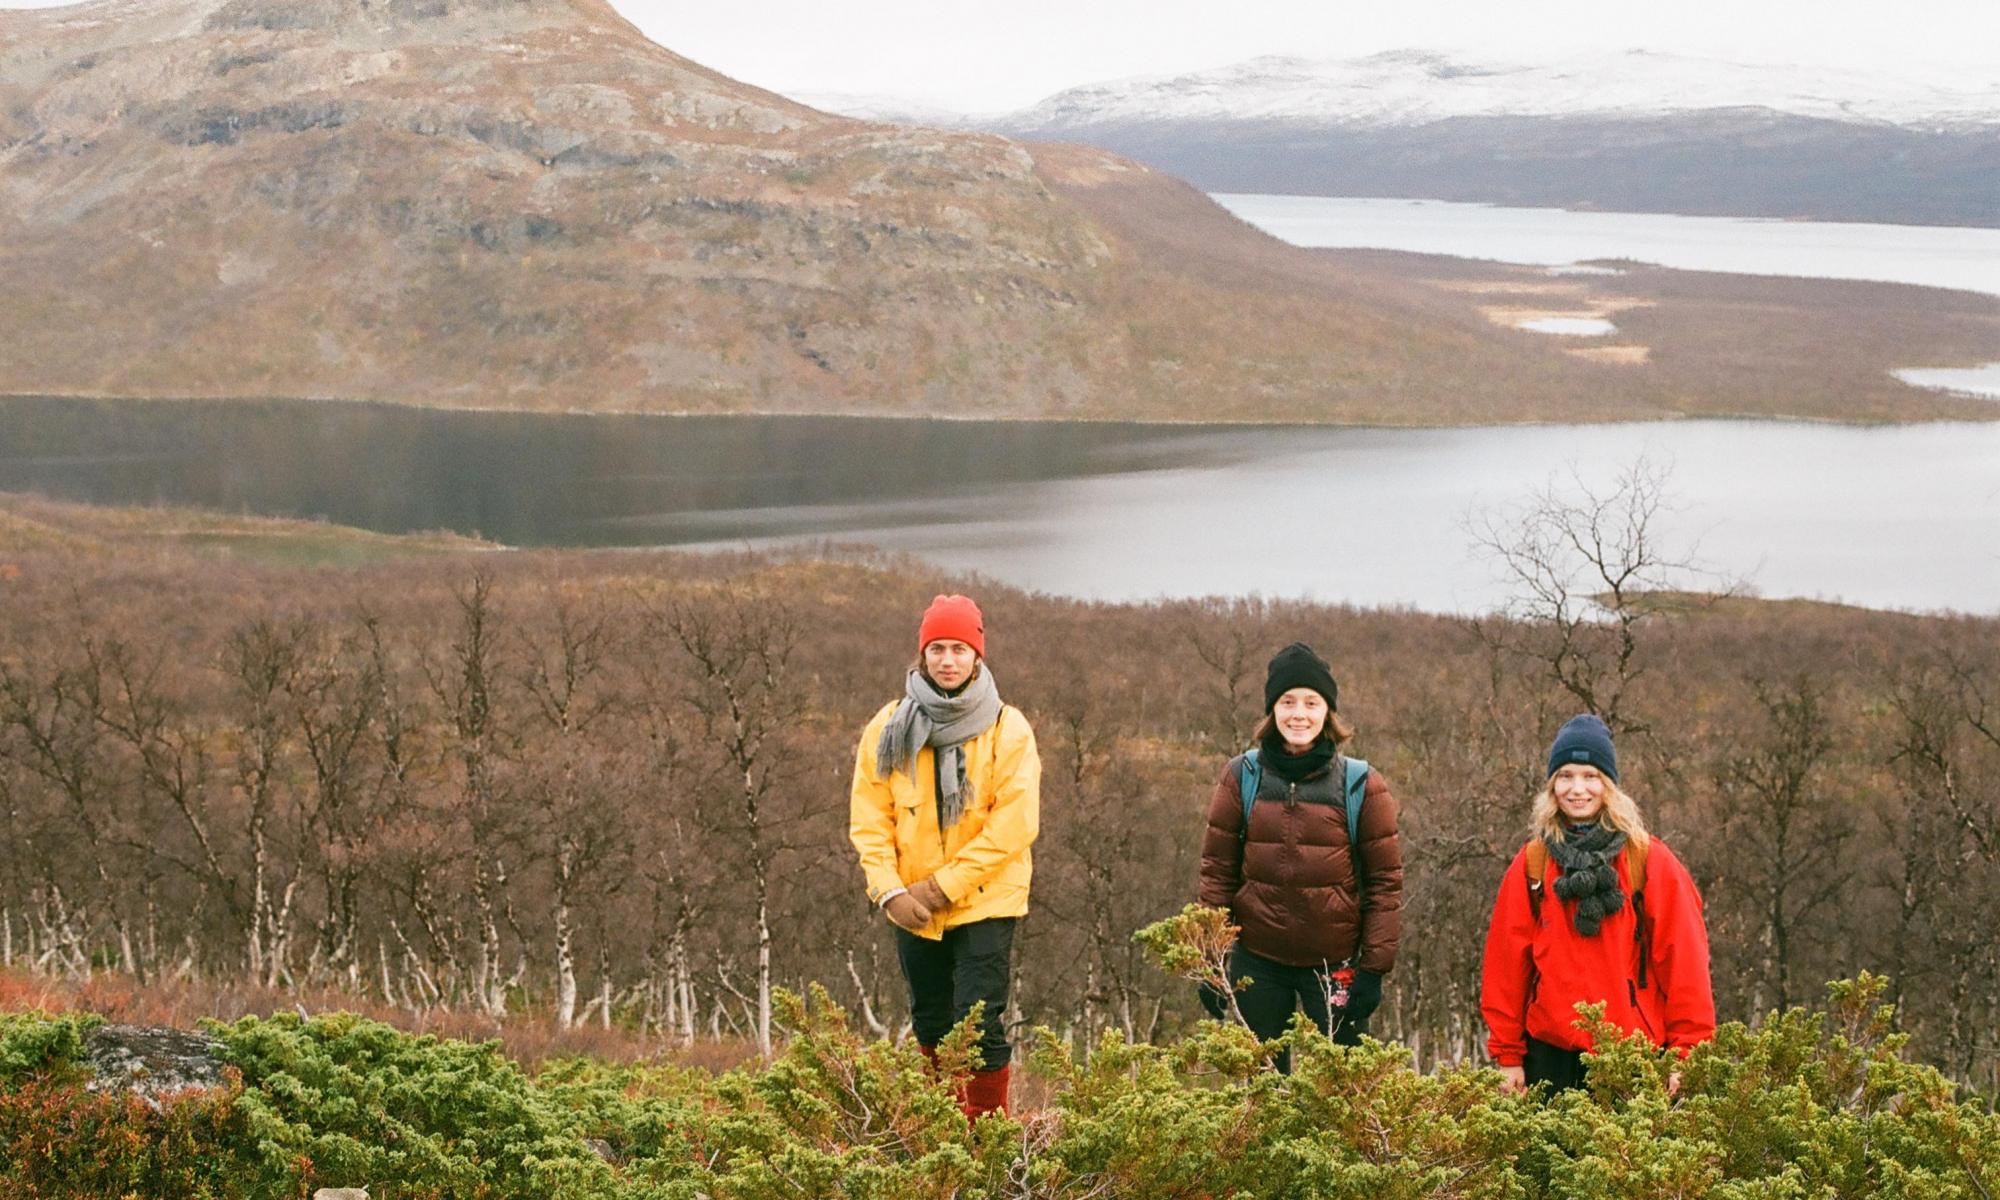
(152, 1061)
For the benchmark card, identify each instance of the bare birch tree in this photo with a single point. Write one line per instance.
(738, 649)
(1590, 568)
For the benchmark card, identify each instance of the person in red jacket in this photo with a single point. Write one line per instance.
(1570, 928)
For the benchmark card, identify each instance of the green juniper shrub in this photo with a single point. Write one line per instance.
(359, 1103)
(642, 1114)
(839, 1115)
(1808, 1106)
(38, 1045)
(1826, 1099)
(1617, 1137)
(60, 1139)
(1137, 1118)
(1357, 1121)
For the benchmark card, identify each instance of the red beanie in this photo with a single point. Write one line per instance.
(955, 617)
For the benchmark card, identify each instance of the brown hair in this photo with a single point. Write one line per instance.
(1336, 729)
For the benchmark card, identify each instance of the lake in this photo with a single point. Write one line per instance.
(1933, 256)
(1898, 517)
(1971, 381)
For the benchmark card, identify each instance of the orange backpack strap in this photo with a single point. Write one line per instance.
(1635, 864)
(1537, 854)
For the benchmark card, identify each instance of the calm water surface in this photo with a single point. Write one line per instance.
(1903, 517)
(1972, 381)
(1934, 256)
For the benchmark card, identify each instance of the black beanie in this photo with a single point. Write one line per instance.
(1584, 739)
(1297, 666)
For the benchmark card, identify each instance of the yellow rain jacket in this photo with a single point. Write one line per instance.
(982, 862)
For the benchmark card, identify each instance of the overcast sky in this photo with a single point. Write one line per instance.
(987, 56)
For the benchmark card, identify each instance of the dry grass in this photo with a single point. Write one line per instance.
(1631, 356)
(29, 523)
(1425, 690)
(529, 1038)
(1740, 345)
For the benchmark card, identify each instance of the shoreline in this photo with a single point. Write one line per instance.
(1220, 425)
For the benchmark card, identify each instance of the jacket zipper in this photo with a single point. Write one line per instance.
(1633, 991)
(1291, 831)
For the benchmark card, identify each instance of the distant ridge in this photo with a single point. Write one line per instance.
(1631, 131)
(525, 204)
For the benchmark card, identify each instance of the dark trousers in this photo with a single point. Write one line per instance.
(1275, 992)
(947, 977)
(1560, 1069)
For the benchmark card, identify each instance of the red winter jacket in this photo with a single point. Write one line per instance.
(1536, 973)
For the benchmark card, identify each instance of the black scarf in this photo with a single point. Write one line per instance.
(1279, 760)
(1588, 858)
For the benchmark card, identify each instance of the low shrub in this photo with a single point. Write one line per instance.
(60, 1139)
(1815, 1104)
(342, 1101)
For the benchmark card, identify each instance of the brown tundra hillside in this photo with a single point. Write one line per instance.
(526, 204)
(578, 787)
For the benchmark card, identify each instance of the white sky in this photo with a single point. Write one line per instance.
(979, 55)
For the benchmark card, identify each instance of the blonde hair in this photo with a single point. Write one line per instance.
(1620, 812)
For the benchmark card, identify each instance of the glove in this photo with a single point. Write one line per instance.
(908, 911)
(930, 895)
(1364, 996)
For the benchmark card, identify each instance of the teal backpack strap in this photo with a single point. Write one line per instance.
(1249, 773)
(1357, 794)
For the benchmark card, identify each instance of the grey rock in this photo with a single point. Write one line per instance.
(152, 1061)
(341, 1194)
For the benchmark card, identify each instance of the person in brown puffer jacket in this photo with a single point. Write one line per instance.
(1316, 931)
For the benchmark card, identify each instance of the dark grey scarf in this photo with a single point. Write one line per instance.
(928, 717)
(1588, 858)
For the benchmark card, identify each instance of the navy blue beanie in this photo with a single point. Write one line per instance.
(1584, 739)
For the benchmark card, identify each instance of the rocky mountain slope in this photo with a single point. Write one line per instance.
(1631, 131)
(526, 204)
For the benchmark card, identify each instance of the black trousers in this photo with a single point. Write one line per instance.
(947, 977)
(1560, 1069)
(1275, 992)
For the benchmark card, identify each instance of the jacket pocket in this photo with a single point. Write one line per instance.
(907, 827)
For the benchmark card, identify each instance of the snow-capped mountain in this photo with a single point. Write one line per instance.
(889, 109)
(1412, 87)
(1634, 131)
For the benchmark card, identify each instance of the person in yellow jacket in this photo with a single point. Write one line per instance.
(946, 802)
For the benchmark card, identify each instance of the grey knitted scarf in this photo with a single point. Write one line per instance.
(1587, 856)
(928, 717)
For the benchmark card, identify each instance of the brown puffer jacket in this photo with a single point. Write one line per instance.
(1290, 885)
